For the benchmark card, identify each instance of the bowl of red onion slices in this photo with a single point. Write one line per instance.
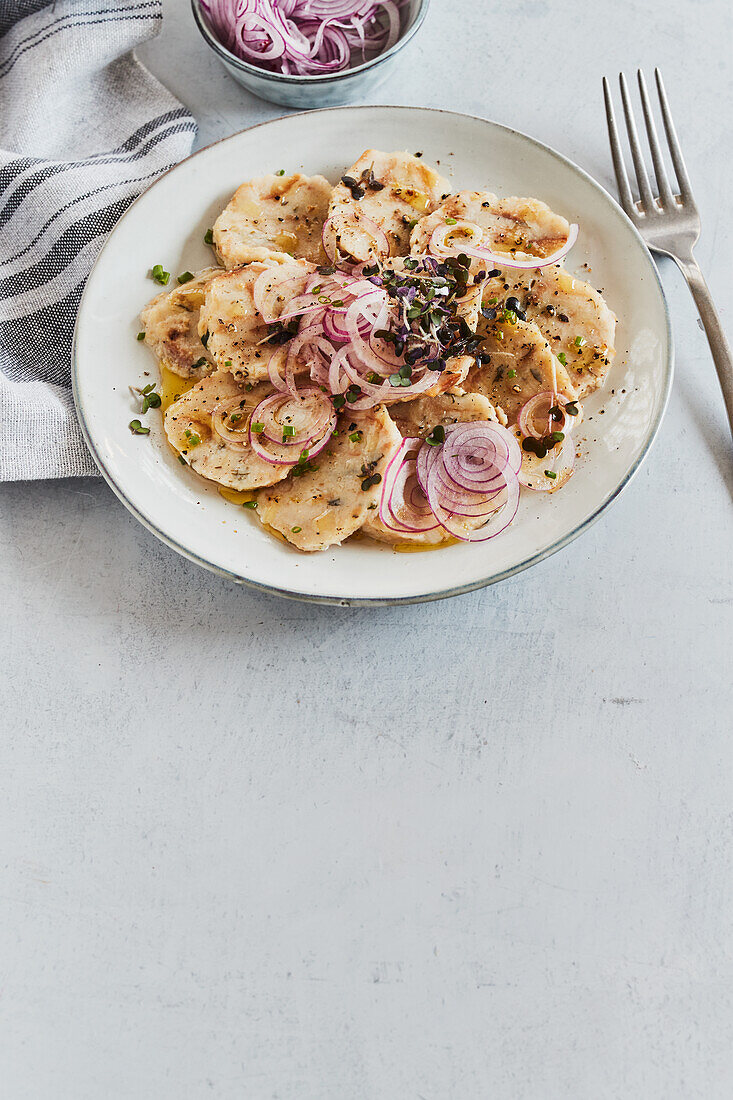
(308, 53)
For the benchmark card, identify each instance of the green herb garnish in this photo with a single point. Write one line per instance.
(356, 437)
(511, 373)
(185, 277)
(437, 436)
(550, 474)
(159, 275)
(257, 427)
(562, 358)
(249, 504)
(209, 236)
(141, 335)
(137, 429)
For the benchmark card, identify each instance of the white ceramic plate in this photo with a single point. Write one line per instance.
(167, 224)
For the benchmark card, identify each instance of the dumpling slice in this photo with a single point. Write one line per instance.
(170, 322)
(190, 425)
(417, 419)
(509, 225)
(570, 314)
(333, 496)
(274, 218)
(391, 190)
(518, 364)
(232, 328)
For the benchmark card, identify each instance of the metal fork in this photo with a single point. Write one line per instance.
(668, 222)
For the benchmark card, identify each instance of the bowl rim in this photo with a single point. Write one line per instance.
(422, 597)
(296, 79)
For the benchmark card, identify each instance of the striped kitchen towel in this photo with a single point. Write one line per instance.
(84, 128)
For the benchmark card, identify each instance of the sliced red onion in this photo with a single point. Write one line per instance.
(235, 435)
(403, 506)
(312, 415)
(276, 287)
(330, 234)
(534, 416)
(440, 246)
(559, 461)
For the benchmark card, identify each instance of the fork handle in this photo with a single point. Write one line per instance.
(719, 345)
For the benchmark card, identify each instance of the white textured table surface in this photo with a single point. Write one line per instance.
(474, 849)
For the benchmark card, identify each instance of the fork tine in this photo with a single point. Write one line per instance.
(665, 191)
(674, 146)
(642, 179)
(618, 158)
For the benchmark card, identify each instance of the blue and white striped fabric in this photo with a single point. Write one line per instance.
(84, 128)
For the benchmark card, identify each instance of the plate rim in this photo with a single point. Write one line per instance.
(427, 597)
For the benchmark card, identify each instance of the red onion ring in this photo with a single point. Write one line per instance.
(538, 409)
(313, 437)
(438, 247)
(403, 506)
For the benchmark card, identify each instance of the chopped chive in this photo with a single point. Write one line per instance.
(257, 427)
(182, 460)
(185, 277)
(209, 236)
(451, 221)
(579, 341)
(137, 429)
(355, 437)
(159, 275)
(562, 358)
(141, 335)
(511, 373)
(281, 172)
(550, 474)
(147, 389)
(288, 431)
(295, 530)
(205, 338)
(249, 504)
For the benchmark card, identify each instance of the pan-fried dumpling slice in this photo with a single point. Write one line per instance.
(274, 218)
(170, 322)
(572, 316)
(517, 362)
(190, 425)
(389, 190)
(332, 498)
(232, 328)
(509, 225)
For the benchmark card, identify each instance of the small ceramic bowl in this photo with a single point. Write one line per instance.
(327, 90)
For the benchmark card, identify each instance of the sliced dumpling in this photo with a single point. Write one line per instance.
(274, 218)
(333, 496)
(418, 419)
(421, 416)
(509, 225)
(517, 362)
(570, 314)
(231, 326)
(170, 322)
(204, 425)
(389, 191)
